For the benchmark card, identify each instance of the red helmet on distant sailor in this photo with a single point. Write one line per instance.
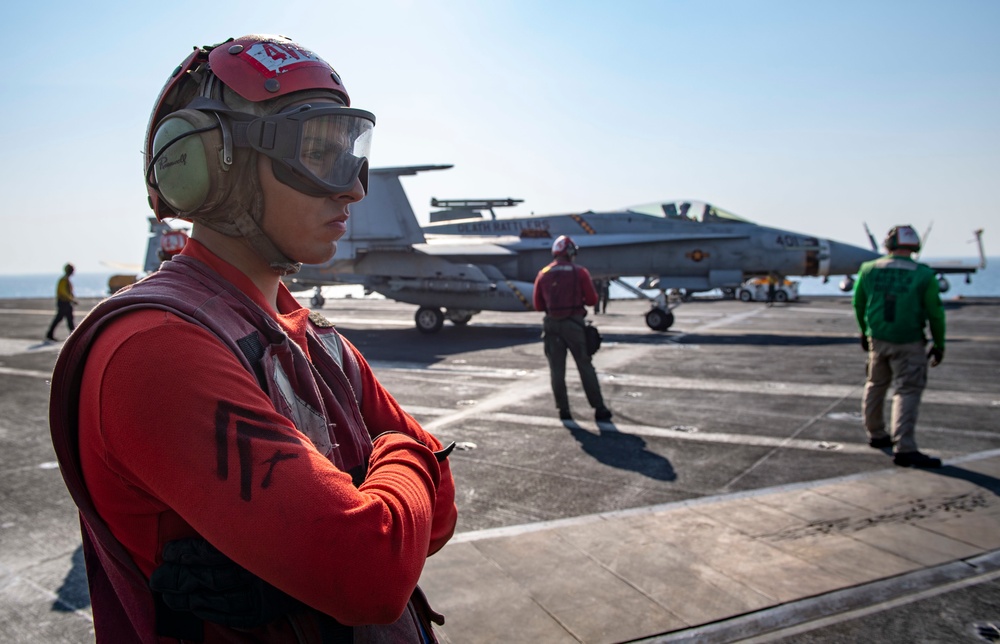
(563, 245)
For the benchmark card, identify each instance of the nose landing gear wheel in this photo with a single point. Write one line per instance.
(659, 320)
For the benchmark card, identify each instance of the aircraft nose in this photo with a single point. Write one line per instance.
(845, 259)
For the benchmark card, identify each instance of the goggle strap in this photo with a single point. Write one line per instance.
(239, 131)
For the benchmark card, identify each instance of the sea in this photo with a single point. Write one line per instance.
(984, 283)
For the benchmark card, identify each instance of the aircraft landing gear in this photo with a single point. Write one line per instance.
(459, 317)
(317, 300)
(429, 319)
(659, 320)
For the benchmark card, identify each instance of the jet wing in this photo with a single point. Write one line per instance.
(604, 240)
(952, 268)
(626, 239)
(464, 250)
(961, 268)
(466, 245)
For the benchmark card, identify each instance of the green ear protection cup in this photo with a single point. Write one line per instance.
(190, 171)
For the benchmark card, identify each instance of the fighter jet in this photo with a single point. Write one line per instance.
(465, 262)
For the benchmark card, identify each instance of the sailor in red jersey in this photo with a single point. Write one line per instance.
(563, 290)
(241, 474)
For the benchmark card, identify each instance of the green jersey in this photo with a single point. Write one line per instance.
(894, 299)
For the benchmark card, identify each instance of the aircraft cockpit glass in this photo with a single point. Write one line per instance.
(692, 211)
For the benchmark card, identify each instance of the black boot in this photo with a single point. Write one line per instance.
(916, 459)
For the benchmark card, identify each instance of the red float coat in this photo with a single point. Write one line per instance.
(562, 289)
(150, 451)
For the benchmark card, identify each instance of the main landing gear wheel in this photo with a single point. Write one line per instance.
(659, 320)
(429, 319)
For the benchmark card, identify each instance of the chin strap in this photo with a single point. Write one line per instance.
(250, 231)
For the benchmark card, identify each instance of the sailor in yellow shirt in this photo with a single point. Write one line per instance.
(64, 302)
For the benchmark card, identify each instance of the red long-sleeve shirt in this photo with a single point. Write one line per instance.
(149, 454)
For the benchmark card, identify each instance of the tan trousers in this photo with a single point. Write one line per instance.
(905, 367)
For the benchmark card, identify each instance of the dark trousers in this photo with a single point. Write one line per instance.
(63, 310)
(559, 337)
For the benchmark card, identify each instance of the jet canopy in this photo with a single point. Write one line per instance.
(696, 211)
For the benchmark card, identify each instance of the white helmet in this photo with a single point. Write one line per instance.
(902, 237)
(563, 245)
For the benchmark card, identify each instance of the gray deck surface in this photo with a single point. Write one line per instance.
(732, 498)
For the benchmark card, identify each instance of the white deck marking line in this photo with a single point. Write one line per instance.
(51, 596)
(707, 437)
(897, 591)
(48, 312)
(538, 385)
(29, 373)
(785, 442)
(510, 531)
(715, 385)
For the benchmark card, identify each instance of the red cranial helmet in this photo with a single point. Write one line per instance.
(226, 104)
(563, 245)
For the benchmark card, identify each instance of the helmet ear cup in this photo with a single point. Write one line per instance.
(902, 237)
(892, 239)
(190, 174)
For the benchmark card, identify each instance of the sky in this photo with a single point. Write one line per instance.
(817, 117)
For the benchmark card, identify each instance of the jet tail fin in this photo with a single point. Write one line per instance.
(163, 243)
(871, 238)
(982, 254)
(384, 219)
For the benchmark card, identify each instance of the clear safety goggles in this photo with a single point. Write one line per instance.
(319, 150)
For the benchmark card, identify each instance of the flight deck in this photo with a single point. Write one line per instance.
(733, 496)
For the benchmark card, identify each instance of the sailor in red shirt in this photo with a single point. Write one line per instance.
(221, 440)
(563, 290)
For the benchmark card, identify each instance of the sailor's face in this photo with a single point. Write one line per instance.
(305, 228)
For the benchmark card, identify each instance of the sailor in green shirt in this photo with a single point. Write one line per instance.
(895, 298)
